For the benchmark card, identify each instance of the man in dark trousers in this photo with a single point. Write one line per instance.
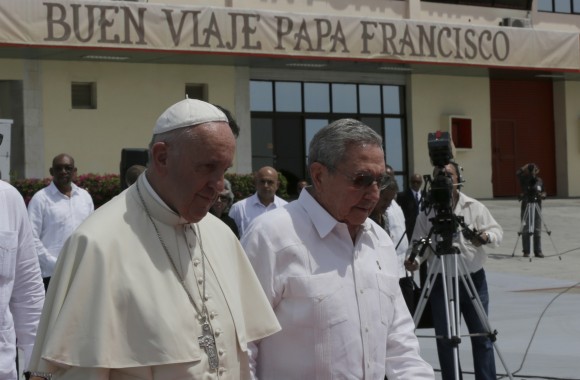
(410, 200)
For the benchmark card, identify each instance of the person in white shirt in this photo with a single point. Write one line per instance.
(476, 216)
(56, 211)
(21, 290)
(388, 214)
(265, 199)
(331, 274)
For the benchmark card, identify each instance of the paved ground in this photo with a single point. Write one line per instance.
(534, 303)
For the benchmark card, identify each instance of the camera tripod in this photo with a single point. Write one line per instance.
(529, 220)
(452, 267)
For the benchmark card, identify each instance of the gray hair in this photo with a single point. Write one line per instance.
(172, 137)
(328, 146)
(228, 188)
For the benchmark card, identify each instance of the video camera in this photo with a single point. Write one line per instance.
(437, 195)
(532, 190)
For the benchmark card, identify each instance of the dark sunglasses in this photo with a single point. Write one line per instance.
(362, 181)
(222, 198)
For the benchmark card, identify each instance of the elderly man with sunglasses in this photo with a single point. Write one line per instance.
(331, 274)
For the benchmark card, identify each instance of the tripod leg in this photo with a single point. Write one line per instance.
(548, 231)
(426, 292)
(487, 333)
(522, 226)
(446, 318)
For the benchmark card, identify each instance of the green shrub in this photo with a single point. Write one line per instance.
(104, 187)
(101, 187)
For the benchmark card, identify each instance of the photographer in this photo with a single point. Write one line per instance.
(532, 194)
(487, 232)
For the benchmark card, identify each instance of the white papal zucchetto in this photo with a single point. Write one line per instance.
(187, 113)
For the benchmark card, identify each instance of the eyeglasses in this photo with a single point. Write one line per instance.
(222, 198)
(66, 168)
(362, 181)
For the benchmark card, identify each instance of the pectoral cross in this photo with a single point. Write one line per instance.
(207, 342)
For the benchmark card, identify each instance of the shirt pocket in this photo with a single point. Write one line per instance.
(388, 287)
(315, 301)
(8, 251)
(59, 214)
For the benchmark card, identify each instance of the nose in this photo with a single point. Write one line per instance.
(373, 192)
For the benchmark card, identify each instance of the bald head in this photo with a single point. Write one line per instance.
(267, 183)
(63, 171)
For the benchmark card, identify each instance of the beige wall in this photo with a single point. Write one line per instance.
(573, 138)
(434, 98)
(129, 100)
(11, 69)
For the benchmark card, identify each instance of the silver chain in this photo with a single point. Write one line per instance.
(203, 311)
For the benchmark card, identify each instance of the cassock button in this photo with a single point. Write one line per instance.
(362, 291)
(221, 352)
(212, 315)
(206, 297)
(200, 281)
(221, 370)
(196, 262)
(218, 332)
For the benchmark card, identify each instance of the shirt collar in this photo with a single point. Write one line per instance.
(54, 190)
(322, 220)
(255, 200)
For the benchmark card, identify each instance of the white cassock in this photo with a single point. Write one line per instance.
(116, 309)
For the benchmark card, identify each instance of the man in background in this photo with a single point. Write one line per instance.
(56, 211)
(21, 291)
(264, 199)
(410, 202)
(531, 196)
(478, 218)
(133, 173)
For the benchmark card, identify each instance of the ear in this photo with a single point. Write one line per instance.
(51, 171)
(159, 157)
(317, 173)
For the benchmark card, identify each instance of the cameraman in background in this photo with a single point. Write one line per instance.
(488, 232)
(532, 194)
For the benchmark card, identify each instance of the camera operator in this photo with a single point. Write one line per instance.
(485, 231)
(532, 193)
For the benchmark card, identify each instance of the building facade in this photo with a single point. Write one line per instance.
(90, 78)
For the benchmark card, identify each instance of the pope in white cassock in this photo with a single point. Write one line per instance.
(151, 286)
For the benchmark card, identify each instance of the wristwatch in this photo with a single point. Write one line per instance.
(31, 375)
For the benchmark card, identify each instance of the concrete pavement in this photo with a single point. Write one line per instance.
(534, 302)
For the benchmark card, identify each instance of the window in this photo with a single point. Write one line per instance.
(559, 6)
(512, 4)
(196, 91)
(286, 115)
(83, 95)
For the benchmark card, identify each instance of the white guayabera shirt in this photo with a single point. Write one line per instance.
(339, 304)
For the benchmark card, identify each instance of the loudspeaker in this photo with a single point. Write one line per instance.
(130, 157)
